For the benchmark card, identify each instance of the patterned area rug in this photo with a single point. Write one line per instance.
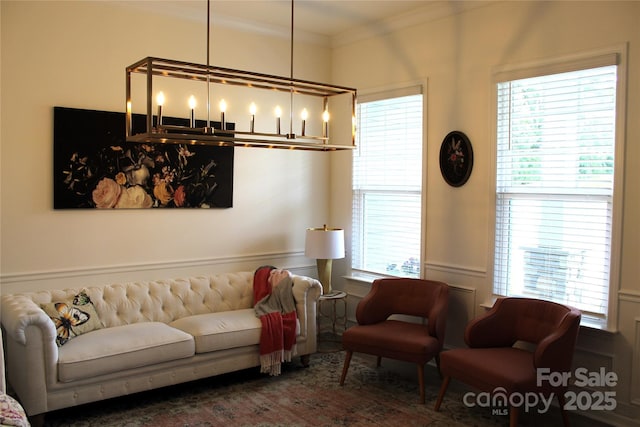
(300, 396)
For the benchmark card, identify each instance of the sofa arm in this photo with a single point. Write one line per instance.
(31, 351)
(306, 292)
(19, 312)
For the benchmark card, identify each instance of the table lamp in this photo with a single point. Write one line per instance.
(324, 244)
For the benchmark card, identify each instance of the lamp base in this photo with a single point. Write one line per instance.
(324, 275)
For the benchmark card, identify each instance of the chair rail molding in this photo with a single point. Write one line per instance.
(95, 275)
(444, 267)
(629, 295)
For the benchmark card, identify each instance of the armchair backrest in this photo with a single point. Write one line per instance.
(552, 327)
(415, 297)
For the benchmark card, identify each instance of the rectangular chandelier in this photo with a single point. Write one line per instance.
(253, 125)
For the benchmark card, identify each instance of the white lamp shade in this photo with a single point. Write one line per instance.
(324, 243)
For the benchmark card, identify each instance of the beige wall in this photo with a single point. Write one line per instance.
(454, 57)
(73, 54)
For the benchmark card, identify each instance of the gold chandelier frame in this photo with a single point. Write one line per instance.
(208, 135)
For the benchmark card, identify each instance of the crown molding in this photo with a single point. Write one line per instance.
(272, 30)
(432, 11)
(188, 12)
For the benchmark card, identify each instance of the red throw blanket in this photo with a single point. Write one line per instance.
(275, 306)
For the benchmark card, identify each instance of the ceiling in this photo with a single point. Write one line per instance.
(324, 17)
(327, 19)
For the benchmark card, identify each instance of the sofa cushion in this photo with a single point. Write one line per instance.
(221, 331)
(72, 318)
(119, 348)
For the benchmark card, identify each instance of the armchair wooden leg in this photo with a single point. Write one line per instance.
(513, 416)
(443, 390)
(379, 361)
(305, 359)
(345, 368)
(421, 382)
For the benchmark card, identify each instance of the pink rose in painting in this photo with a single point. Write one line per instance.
(179, 196)
(134, 197)
(106, 193)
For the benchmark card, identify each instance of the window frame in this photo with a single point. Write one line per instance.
(378, 94)
(608, 56)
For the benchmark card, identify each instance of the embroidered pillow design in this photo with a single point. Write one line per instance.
(73, 318)
(11, 413)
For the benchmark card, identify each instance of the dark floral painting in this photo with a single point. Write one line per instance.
(456, 158)
(95, 168)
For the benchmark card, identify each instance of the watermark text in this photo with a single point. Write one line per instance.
(593, 399)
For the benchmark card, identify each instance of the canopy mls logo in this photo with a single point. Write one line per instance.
(596, 400)
(499, 401)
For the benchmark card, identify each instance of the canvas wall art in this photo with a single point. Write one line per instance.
(95, 168)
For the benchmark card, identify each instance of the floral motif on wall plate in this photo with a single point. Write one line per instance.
(456, 158)
(95, 168)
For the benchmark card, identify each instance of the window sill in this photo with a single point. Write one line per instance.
(364, 277)
(596, 324)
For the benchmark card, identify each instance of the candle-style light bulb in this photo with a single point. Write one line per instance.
(192, 107)
(129, 119)
(325, 123)
(304, 116)
(278, 114)
(223, 109)
(252, 111)
(160, 102)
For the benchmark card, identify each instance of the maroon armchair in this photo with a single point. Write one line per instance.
(492, 361)
(378, 335)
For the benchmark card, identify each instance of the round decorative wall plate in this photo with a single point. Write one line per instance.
(456, 158)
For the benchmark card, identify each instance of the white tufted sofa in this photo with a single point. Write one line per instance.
(155, 334)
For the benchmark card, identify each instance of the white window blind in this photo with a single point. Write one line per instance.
(554, 187)
(387, 185)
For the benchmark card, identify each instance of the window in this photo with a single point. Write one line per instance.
(555, 174)
(387, 184)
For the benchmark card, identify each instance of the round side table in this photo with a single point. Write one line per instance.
(328, 309)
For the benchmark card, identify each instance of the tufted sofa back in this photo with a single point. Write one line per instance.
(162, 300)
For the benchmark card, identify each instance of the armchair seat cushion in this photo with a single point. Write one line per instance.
(479, 367)
(394, 339)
